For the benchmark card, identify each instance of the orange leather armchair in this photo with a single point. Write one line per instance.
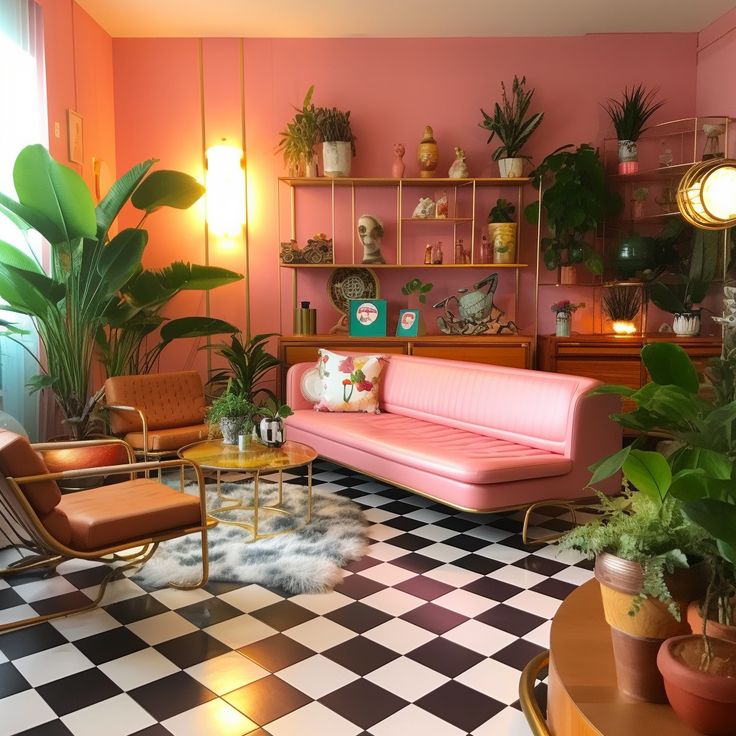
(157, 413)
(48, 528)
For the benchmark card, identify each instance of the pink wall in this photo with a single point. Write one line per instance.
(716, 62)
(393, 88)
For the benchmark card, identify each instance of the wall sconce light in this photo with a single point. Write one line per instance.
(706, 196)
(225, 184)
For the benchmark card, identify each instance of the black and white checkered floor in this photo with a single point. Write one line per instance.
(426, 635)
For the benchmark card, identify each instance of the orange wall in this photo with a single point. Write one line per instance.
(79, 77)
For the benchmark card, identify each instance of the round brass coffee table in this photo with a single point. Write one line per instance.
(256, 459)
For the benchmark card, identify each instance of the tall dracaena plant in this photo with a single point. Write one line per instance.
(87, 268)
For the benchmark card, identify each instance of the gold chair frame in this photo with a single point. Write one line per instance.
(534, 671)
(46, 551)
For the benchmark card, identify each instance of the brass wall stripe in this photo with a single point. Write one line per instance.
(203, 143)
(246, 253)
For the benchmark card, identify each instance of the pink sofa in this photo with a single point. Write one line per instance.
(473, 436)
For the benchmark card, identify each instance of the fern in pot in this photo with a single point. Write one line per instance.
(338, 141)
(512, 126)
(299, 138)
(233, 413)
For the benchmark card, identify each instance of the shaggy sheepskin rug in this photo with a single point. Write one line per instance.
(307, 560)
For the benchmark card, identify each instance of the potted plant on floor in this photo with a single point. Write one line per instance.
(72, 303)
(502, 231)
(338, 141)
(629, 116)
(232, 413)
(576, 200)
(512, 126)
(299, 138)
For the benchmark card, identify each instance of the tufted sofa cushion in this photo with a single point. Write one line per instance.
(167, 399)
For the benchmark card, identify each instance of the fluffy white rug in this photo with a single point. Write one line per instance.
(308, 560)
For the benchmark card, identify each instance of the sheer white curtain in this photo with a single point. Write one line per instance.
(22, 121)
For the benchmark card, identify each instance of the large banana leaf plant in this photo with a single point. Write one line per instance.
(88, 271)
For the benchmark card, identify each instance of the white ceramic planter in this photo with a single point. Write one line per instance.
(337, 158)
(510, 168)
(562, 324)
(272, 431)
(230, 427)
(628, 151)
(686, 324)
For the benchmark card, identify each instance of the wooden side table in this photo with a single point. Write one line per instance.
(582, 698)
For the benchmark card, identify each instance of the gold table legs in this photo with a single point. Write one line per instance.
(234, 504)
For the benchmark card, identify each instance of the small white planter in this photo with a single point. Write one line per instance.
(628, 151)
(686, 324)
(510, 168)
(337, 158)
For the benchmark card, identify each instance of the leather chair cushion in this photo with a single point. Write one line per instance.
(167, 399)
(161, 440)
(17, 458)
(110, 515)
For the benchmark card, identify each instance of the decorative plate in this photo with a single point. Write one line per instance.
(345, 284)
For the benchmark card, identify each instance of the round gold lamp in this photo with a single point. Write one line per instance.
(706, 196)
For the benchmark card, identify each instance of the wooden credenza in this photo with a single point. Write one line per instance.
(613, 358)
(508, 350)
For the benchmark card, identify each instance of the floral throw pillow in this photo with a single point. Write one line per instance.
(349, 382)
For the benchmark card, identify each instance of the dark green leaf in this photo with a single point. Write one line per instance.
(718, 518)
(195, 327)
(111, 204)
(609, 466)
(669, 364)
(121, 258)
(167, 189)
(649, 473)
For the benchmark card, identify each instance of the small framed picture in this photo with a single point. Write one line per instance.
(408, 323)
(75, 137)
(367, 318)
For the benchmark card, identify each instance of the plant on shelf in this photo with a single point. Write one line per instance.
(576, 200)
(512, 126)
(299, 138)
(233, 413)
(417, 288)
(563, 316)
(502, 231)
(249, 365)
(680, 293)
(629, 116)
(621, 304)
(338, 141)
(75, 301)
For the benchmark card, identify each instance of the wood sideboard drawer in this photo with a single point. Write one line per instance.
(621, 371)
(512, 356)
(293, 354)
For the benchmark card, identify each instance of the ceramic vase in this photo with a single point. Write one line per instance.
(230, 427)
(567, 275)
(510, 168)
(271, 431)
(628, 157)
(427, 153)
(337, 158)
(562, 324)
(503, 241)
(686, 324)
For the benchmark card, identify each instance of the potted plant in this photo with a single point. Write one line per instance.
(338, 141)
(249, 366)
(271, 426)
(299, 138)
(512, 126)
(621, 304)
(576, 201)
(681, 293)
(629, 116)
(73, 302)
(563, 316)
(233, 413)
(502, 231)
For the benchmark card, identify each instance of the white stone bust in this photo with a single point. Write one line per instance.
(370, 230)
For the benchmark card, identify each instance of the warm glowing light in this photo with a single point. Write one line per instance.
(225, 191)
(719, 193)
(624, 327)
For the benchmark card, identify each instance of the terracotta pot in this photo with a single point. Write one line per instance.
(714, 630)
(705, 700)
(636, 639)
(567, 275)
